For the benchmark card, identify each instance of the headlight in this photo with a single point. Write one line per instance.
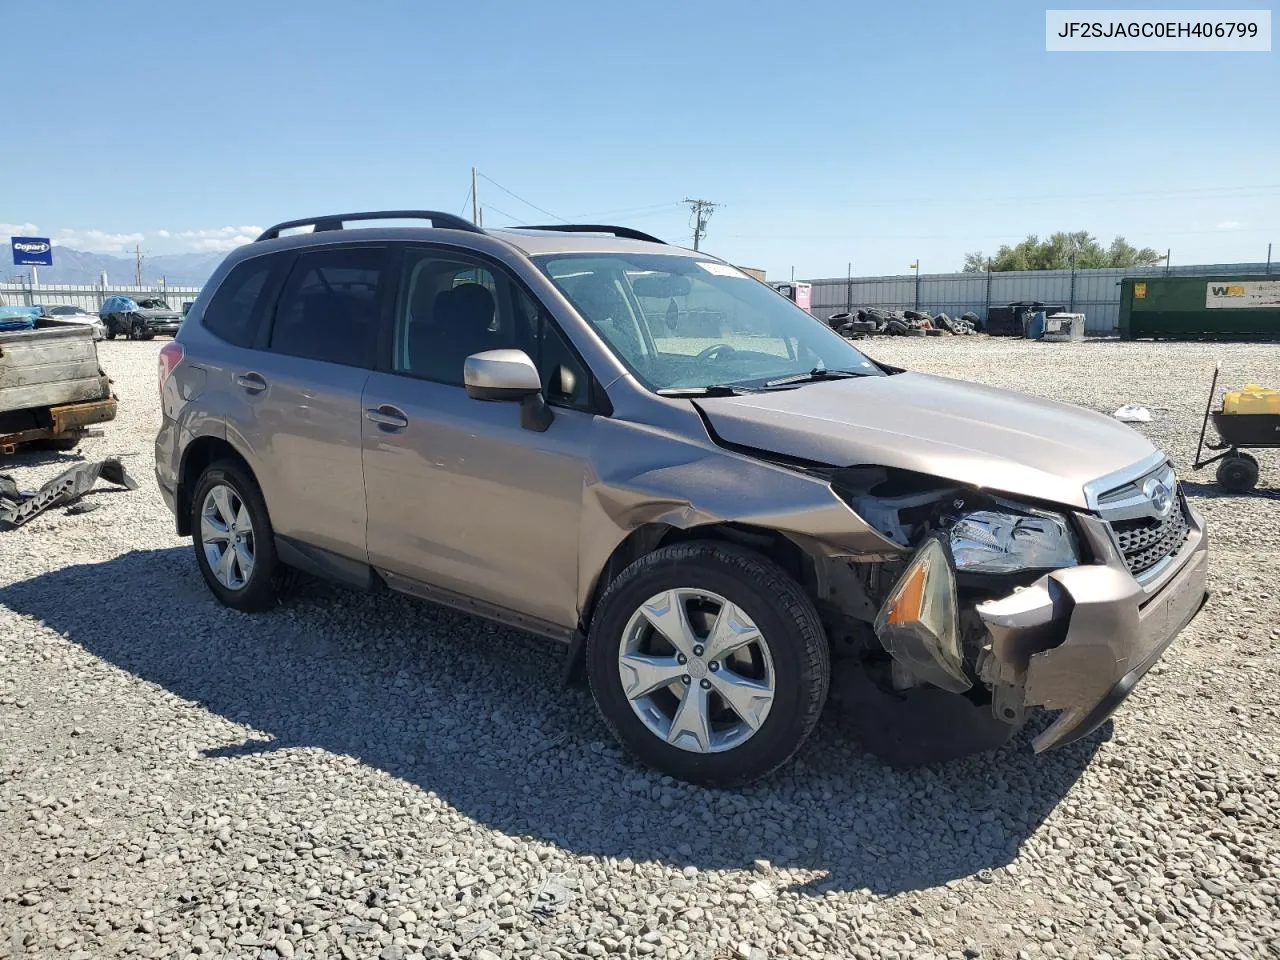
(1008, 541)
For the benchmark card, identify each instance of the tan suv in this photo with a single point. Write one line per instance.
(647, 455)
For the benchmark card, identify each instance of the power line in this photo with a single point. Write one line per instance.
(1133, 196)
(588, 217)
(523, 200)
(701, 211)
(465, 201)
(490, 206)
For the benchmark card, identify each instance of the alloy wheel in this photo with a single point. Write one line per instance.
(696, 670)
(226, 533)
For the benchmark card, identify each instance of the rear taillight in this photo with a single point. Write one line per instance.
(170, 357)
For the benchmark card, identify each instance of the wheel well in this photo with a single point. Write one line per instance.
(199, 454)
(645, 539)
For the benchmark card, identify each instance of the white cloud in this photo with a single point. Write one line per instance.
(97, 241)
(216, 238)
(17, 229)
(163, 233)
(1230, 225)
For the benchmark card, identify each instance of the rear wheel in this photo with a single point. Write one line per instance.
(1238, 473)
(709, 662)
(234, 543)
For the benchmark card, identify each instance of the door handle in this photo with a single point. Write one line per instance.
(387, 417)
(252, 382)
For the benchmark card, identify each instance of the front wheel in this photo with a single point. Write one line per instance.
(708, 662)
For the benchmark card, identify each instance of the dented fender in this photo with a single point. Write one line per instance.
(656, 475)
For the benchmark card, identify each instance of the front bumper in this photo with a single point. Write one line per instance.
(165, 327)
(1078, 640)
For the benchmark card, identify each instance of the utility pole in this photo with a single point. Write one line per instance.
(702, 210)
(137, 263)
(1268, 258)
(475, 200)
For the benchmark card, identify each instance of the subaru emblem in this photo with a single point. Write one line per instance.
(1161, 496)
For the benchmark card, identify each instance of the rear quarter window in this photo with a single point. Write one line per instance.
(234, 311)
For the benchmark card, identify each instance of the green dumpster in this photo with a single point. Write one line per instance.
(1213, 307)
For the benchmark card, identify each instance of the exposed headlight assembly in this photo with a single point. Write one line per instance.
(1011, 540)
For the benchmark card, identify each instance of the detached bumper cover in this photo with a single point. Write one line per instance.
(1078, 640)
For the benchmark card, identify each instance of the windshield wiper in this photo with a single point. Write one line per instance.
(813, 376)
(714, 390)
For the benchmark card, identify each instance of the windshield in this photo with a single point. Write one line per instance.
(153, 303)
(679, 323)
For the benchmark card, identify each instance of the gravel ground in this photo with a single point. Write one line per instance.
(372, 777)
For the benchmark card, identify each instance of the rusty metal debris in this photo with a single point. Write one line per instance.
(17, 507)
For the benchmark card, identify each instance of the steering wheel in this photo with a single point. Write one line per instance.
(715, 351)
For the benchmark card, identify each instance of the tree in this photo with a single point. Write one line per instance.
(1058, 253)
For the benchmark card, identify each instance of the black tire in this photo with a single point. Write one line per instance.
(111, 330)
(269, 577)
(1238, 473)
(896, 327)
(778, 607)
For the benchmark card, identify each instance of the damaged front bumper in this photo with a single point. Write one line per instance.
(1079, 639)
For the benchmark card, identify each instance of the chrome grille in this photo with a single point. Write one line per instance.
(1144, 535)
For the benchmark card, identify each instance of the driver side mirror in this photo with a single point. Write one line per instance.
(508, 375)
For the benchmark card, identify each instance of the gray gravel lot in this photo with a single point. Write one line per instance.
(372, 777)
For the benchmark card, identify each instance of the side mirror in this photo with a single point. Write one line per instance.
(508, 375)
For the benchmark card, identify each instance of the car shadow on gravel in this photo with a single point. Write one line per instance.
(475, 714)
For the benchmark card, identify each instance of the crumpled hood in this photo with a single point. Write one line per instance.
(972, 434)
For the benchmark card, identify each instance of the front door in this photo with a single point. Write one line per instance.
(460, 496)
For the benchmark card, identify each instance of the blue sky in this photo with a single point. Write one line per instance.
(830, 131)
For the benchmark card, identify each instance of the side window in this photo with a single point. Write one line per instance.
(234, 311)
(449, 308)
(328, 308)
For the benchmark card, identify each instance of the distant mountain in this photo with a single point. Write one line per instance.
(77, 266)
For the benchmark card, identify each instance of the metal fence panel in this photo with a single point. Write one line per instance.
(89, 296)
(1095, 293)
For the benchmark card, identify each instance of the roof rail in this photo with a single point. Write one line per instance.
(626, 233)
(335, 221)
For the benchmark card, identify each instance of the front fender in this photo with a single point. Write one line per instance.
(644, 474)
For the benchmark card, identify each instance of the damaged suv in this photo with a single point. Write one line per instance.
(644, 453)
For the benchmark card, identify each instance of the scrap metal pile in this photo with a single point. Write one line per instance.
(901, 323)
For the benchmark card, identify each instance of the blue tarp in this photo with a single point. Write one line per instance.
(18, 318)
(116, 305)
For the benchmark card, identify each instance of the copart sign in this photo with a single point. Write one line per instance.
(32, 251)
(1242, 295)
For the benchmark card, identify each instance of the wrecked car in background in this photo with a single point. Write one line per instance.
(138, 320)
(69, 313)
(645, 453)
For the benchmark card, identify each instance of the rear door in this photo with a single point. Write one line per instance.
(460, 496)
(303, 387)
